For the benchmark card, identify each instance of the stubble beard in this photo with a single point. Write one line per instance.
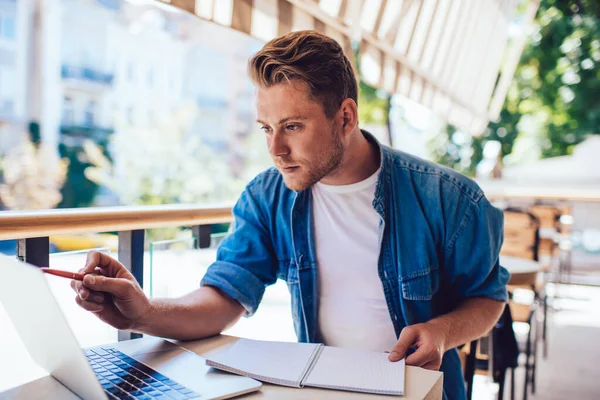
(324, 164)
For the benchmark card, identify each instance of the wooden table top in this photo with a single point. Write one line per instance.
(522, 271)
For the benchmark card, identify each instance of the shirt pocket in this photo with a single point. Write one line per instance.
(420, 285)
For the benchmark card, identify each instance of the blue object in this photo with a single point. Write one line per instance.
(440, 240)
(8, 247)
(112, 4)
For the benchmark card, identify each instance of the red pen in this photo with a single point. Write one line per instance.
(64, 274)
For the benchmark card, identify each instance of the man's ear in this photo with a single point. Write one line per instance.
(349, 115)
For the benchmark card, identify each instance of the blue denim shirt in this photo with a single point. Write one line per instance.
(439, 239)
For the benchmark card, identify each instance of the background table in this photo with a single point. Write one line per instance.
(522, 271)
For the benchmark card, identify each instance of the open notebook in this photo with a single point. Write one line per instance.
(308, 364)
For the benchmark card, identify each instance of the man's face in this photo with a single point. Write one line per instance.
(305, 145)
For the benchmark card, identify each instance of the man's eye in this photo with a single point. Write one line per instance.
(291, 127)
(265, 129)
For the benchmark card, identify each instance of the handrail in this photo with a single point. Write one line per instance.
(506, 191)
(43, 223)
(574, 196)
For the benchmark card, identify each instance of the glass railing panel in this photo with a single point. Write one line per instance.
(176, 268)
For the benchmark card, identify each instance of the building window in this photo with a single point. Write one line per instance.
(7, 26)
(8, 107)
(86, 59)
(90, 112)
(112, 4)
(130, 72)
(130, 115)
(68, 113)
(8, 82)
(150, 77)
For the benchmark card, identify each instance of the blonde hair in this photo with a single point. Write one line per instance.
(310, 57)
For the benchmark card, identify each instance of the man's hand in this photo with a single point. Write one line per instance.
(474, 318)
(111, 292)
(428, 340)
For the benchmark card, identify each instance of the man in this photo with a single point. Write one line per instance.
(380, 250)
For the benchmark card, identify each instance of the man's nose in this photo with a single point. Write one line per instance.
(278, 145)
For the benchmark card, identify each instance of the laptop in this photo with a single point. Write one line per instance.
(136, 369)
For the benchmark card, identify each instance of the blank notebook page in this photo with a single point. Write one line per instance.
(357, 370)
(277, 362)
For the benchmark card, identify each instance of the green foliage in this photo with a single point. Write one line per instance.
(78, 190)
(563, 62)
(373, 105)
(555, 93)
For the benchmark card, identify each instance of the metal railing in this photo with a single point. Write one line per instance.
(87, 73)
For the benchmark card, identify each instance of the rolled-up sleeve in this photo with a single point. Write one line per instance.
(472, 254)
(245, 259)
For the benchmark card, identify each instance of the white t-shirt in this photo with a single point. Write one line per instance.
(353, 312)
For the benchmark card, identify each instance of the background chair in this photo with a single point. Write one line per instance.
(492, 355)
(522, 240)
(550, 226)
(521, 234)
(549, 253)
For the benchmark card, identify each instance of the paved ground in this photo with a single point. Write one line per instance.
(572, 370)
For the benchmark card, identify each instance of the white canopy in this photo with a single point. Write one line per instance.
(581, 168)
(443, 54)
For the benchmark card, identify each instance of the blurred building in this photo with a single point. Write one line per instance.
(84, 68)
(15, 17)
(83, 64)
(116, 62)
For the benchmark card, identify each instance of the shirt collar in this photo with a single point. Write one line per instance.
(383, 179)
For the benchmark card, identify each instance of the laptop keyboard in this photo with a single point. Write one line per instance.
(122, 377)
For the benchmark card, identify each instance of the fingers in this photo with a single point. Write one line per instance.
(90, 295)
(408, 336)
(76, 285)
(86, 294)
(108, 266)
(432, 365)
(89, 306)
(421, 357)
(95, 259)
(118, 287)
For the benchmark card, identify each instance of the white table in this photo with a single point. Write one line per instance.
(419, 383)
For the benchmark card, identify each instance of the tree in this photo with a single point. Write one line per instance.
(165, 162)
(559, 72)
(78, 191)
(554, 99)
(32, 176)
(162, 163)
(373, 106)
